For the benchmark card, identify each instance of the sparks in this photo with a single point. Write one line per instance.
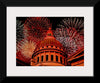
(71, 34)
(36, 27)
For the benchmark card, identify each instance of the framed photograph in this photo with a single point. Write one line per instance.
(47, 39)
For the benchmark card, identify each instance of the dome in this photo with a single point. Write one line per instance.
(49, 40)
(49, 52)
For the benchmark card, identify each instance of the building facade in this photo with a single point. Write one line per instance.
(77, 59)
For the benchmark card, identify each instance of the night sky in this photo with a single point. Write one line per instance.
(38, 34)
(53, 20)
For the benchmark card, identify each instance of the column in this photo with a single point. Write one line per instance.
(44, 57)
(49, 56)
(59, 58)
(39, 58)
(62, 60)
(54, 56)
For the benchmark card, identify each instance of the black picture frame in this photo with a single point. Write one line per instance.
(29, 3)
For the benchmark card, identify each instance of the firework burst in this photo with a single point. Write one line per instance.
(28, 35)
(70, 33)
(19, 31)
(36, 27)
(26, 49)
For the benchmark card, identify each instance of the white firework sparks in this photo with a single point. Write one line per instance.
(71, 34)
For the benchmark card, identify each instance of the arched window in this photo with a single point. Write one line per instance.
(56, 58)
(37, 59)
(51, 46)
(51, 57)
(46, 57)
(41, 58)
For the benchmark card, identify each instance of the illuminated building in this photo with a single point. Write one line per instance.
(49, 52)
(77, 59)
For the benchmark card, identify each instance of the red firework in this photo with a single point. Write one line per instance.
(25, 50)
(35, 28)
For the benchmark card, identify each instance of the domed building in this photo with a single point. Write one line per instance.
(49, 52)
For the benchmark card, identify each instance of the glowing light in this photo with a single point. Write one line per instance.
(28, 35)
(71, 34)
(28, 48)
(36, 27)
(19, 31)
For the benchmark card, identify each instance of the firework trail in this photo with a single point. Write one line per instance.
(70, 33)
